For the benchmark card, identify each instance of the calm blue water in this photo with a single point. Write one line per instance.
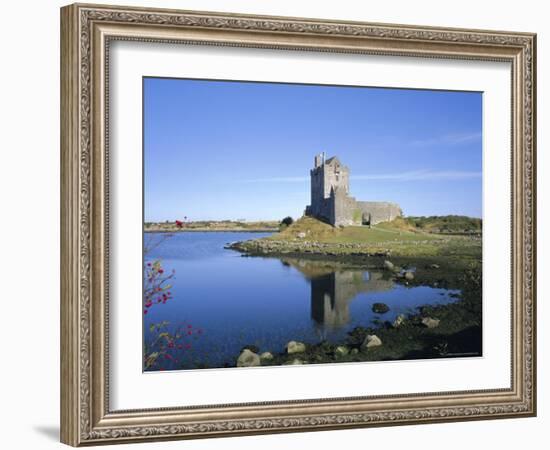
(237, 301)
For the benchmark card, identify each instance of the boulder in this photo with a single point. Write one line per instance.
(409, 276)
(399, 320)
(429, 322)
(266, 356)
(389, 265)
(341, 350)
(380, 308)
(301, 235)
(434, 266)
(295, 347)
(371, 341)
(248, 358)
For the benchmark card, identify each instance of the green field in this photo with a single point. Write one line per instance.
(315, 230)
(309, 236)
(446, 224)
(378, 233)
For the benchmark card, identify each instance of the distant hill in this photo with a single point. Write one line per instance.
(211, 225)
(310, 228)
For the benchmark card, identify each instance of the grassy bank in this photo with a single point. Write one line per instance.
(309, 237)
(446, 224)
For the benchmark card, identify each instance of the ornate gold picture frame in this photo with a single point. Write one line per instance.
(87, 31)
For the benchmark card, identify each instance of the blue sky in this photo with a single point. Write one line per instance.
(238, 150)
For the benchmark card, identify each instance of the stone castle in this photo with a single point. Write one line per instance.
(331, 202)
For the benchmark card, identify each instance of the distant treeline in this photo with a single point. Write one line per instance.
(446, 224)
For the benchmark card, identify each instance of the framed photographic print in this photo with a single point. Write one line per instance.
(276, 224)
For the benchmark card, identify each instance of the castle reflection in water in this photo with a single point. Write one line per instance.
(334, 287)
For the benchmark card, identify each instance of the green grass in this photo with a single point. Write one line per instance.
(446, 224)
(378, 233)
(397, 238)
(314, 230)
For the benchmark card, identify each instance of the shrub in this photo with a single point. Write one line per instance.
(287, 221)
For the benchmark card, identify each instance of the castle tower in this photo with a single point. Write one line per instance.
(331, 200)
(327, 176)
(336, 176)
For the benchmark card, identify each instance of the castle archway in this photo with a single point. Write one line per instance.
(366, 219)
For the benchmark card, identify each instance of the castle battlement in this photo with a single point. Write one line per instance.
(332, 203)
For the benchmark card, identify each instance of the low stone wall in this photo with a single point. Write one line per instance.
(379, 211)
(343, 210)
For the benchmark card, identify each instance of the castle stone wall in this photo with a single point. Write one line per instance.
(317, 207)
(343, 209)
(379, 211)
(336, 176)
(331, 202)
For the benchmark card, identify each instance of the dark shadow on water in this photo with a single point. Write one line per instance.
(49, 431)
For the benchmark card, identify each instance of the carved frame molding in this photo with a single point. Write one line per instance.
(86, 31)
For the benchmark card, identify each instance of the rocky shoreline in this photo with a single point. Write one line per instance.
(439, 331)
(390, 341)
(260, 247)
